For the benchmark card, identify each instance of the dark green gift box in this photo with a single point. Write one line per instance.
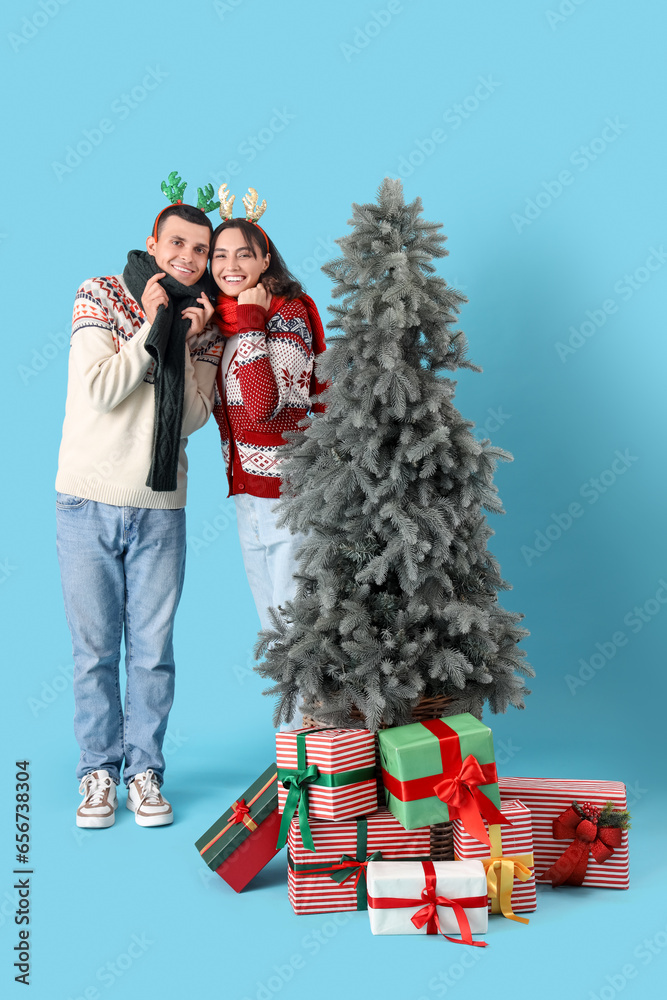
(243, 840)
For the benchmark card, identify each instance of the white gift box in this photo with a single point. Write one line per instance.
(391, 881)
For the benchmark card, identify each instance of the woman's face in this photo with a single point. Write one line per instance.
(235, 264)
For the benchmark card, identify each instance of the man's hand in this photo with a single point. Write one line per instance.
(154, 296)
(198, 317)
(257, 296)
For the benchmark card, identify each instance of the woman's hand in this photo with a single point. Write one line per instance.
(257, 296)
(154, 296)
(199, 318)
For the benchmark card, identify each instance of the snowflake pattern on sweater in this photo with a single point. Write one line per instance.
(267, 388)
(105, 451)
(106, 303)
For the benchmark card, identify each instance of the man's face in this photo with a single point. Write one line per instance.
(181, 249)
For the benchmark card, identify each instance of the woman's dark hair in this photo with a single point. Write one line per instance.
(277, 278)
(187, 212)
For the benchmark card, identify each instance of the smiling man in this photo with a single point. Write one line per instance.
(142, 367)
(180, 245)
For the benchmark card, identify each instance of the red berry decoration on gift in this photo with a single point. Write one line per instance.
(593, 831)
(589, 811)
(602, 817)
(587, 829)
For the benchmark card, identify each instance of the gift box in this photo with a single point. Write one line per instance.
(326, 774)
(509, 867)
(243, 840)
(592, 854)
(335, 878)
(428, 897)
(440, 770)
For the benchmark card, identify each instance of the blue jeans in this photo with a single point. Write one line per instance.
(269, 557)
(122, 568)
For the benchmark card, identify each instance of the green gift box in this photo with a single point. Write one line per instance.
(440, 770)
(243, 839)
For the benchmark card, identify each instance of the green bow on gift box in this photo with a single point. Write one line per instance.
(297, 782)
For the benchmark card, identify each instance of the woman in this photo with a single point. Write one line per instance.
(273, 333)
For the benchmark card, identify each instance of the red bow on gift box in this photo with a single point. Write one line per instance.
(590, 838)
(458, 786)
(466, 802)
(241, 810)
(429, 914)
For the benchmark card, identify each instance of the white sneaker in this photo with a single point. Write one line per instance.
(100, 802)
(145, 800)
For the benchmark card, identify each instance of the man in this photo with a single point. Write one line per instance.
(120, 506)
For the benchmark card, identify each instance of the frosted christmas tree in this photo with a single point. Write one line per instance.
(398, 591)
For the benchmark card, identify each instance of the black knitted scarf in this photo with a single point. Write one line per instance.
(166, 345)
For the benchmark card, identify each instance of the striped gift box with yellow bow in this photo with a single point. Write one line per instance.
(509, 865)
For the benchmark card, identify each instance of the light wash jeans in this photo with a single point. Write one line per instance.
(269, 557)
(121, 568)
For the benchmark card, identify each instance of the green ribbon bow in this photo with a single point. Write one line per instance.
(359, 867)
(352, 866)
(356, 867)
(348, 866)
(296, 783)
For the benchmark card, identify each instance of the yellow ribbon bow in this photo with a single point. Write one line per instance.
(500, 874)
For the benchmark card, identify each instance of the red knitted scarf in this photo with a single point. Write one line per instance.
(225, 312)
(226, 319)
(225, 316)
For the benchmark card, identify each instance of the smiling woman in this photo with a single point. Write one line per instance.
(272, 333)
(235, 264)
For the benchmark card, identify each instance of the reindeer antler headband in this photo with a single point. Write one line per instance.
(253, 211)
(173, 189)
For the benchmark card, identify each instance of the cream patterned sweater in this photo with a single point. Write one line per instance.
(105, 453)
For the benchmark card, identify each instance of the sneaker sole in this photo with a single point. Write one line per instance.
(158, 820)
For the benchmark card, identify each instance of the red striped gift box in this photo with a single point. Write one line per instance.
(345, 785)
(312, 878)
(547, 799)
(507, 842)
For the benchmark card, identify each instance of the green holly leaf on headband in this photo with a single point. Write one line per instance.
(172, 188)
(205, 199)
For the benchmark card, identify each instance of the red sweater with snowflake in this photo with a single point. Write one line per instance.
(266, 392)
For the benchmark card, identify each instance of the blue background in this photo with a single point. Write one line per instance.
(534, 130)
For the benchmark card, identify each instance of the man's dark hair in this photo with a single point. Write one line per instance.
(187, 212)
